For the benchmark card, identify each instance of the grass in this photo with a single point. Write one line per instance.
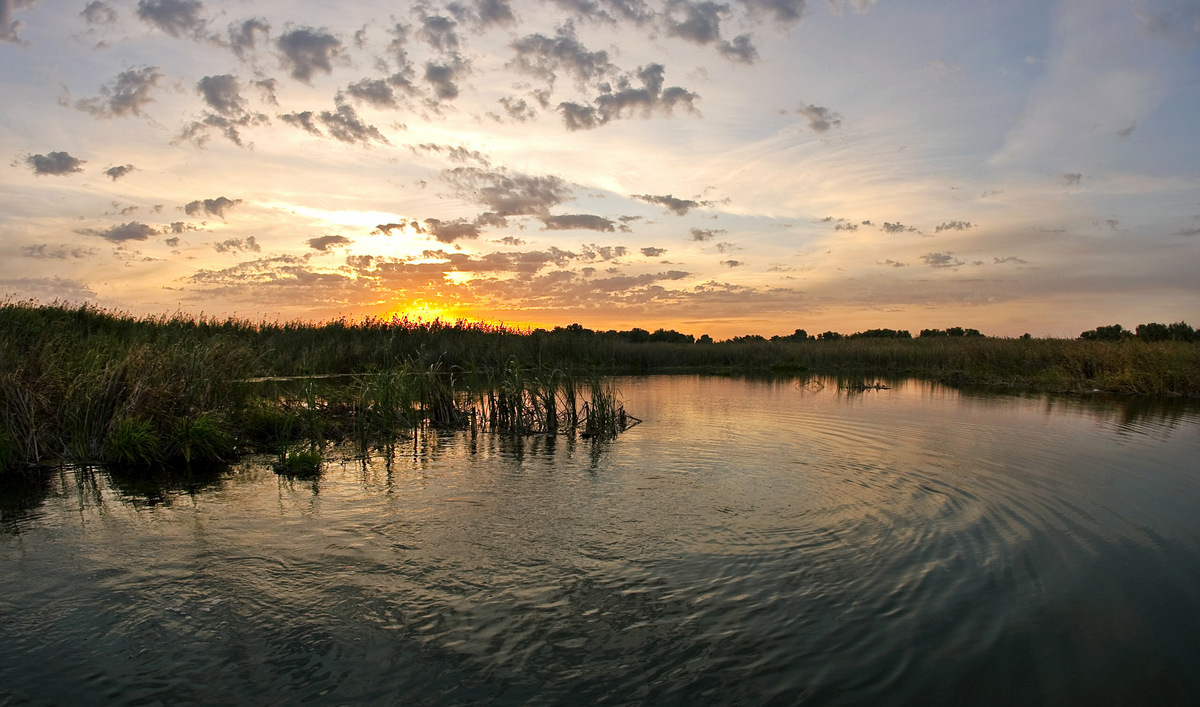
(84, 384)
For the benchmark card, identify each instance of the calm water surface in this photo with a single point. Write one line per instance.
(751, 542)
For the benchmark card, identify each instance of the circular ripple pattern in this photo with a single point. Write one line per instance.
(751, 542)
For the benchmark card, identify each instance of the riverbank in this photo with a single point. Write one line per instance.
(84, 384)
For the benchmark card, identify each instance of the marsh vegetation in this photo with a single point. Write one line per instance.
(86, 384)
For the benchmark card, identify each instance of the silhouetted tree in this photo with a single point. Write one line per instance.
(1113, 332)
(829, 336)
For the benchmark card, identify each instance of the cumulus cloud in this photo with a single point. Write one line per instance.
(222, 94)
(450, 231)
(820, 119)
(894, 264)
(132, 231)
(705, 234)
(508, 193)
(700, 23)
(127, 94)
(1073, 179)
(98, 12)
(213, 207)
(651, 252)
(305, 51)
(544, 57)
(568, 222)
(244, 36)
(1009, 259)
(784, 12)
(305, 120)
(626, 101)
(345, 125)
(732, 263)
(679, 207)
(941, 260)
(845, 226)
(439, 32)
(8, 26)
(43, 251)
(48, 288)
(443, 76)
(896, 227)
(175, 17)
(375, 92)
(119, 171)
(57, 163)
(953, 226)
(1188, 232)
(238, 245)
(324, 243)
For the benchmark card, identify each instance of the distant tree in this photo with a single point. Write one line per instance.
(672, 337)
(1113, 332)
(882, 334)
(749, 338)
(955, 331)
(704, 339)
(972, 332)
(799, 335)
(635, 335)
(1153, 332)
(829, 336)
(931, 333)
(1180, 331)
(1026, 336)
(573, 329)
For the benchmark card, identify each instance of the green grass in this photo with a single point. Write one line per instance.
(84, 384)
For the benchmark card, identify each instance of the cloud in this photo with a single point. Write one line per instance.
(307, 51)
(8, 26)
(1128, 130)
(627, 101)
(43, 251)
(701, 24)
(58, 163)
(439, 32)
(732, 263)
(508, 193)
(458, 154)
(1188, 232)
(345, 125)
(450, 231)
(894, 264)
(567, 222)
(238, 245)
(175, 17)
(47, 288)
(222, 94)
(444, 77)
(98, 12)
(375, 92)
(705, 234)
(119, 171)
(196, 132)
(896, 227)
(132, 231)
(941, 260)
(324, 243)
(845, 226)
(543, 57)
(494, 13)
(128, 93)
(820, 119)
(1177, 21)
(1009, 259)
(953, 226)
(679, 207)
(1073, 179)
(243, 38)
(651, 252)
(511, 241)
(214, 207)
(304, 120)
(785, 12)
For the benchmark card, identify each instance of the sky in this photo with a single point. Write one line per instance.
(729, 168)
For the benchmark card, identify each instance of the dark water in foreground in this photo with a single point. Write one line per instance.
(752, 543)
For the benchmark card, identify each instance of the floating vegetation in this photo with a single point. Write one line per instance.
(299, 463)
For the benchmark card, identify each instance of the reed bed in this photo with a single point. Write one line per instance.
(87, 384)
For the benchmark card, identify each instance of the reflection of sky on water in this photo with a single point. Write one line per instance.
(749, 538)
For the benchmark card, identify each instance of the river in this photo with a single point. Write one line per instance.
(753, 542)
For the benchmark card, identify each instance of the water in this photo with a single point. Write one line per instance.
(751, 542)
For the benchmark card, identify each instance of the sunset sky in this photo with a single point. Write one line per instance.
(753, 166)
